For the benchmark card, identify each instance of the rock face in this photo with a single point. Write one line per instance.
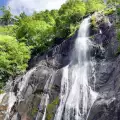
(107, 105)
(45, 75)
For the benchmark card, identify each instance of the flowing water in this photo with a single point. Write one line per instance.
(77, 97)
(45, 98)
(12, 98)
(23, 84)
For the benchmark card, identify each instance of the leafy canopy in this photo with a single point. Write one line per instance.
(13, 57)
(7, 16)
(35, 33)
(94, 5)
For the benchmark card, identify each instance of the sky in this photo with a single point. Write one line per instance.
(3, 2)
(29, 6)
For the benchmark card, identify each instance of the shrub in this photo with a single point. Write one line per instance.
(94, 5)
(36, 33)
(118, 10)
(109, 11)
(8, 30)
(13, 57)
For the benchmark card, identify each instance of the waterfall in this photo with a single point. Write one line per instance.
(77, 97)
(24, 83)
(12, 99)
(41, 115)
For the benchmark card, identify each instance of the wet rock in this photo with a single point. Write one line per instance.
(16, 116)
(56, 57)
(107, 105)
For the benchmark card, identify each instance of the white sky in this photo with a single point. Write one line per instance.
(28, 6)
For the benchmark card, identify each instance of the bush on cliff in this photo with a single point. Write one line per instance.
(13, 57)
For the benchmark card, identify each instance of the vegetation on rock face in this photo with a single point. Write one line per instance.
(93, 21)
(118, 25)
(7, 16)
(1, 91)
(34, 111)
(109, 11)
(94, 5)
(113, 2)
(70, 15)
(13, 57)
(72, 12)
(51, 109)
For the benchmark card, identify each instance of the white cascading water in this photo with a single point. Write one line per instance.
(45, 97)
(24, 83)
(77, 96)
(11, 95)
(11, 100)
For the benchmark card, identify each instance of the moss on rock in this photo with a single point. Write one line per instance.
(34, 111)
(93, 21)
(109, 11)
(51, 109)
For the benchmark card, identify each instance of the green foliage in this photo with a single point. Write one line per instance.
(72, 7)
(51, 109)
(37, 30)
(1, 91)
(118, 38)
(6, 18)
(109, 11)
(8, 30)
(118, 35)
(113, 2)
(40, 29)
(2, 84)
(70, 14)
(35, 33)
(22, 15)
(62, 27)
(93, 21)
(34, 111)
(118, 11)
(94, 5)
(13, 57)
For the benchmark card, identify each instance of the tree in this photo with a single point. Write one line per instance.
(113, 2)
(94, 5)
(35, 33)
(22, 15)
(73, 6)
(70, 15)
(13, 57)
(47, 16)
(6, 18)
